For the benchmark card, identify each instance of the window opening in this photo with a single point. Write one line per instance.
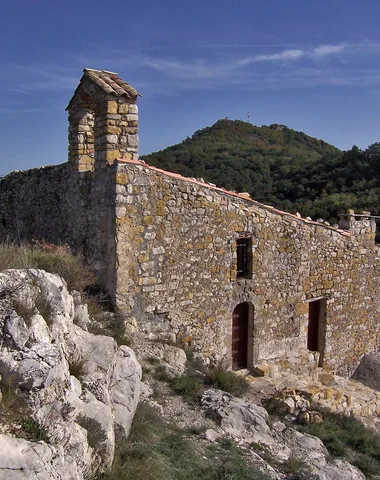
(244, 257)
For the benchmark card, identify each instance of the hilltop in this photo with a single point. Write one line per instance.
(278, 166)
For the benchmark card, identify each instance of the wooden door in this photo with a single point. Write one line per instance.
(240, 336)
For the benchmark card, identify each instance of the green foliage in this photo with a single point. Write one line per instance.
(280, 167)
(347, 437)
(156, 451)
(229, 382)
(33, 431)
(189, 386)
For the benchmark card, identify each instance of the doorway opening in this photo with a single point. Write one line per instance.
(242, 325)
(316, 331)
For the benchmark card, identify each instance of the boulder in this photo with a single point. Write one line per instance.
(248, 424)
(80, 387)
(368, 372)
(21, 459)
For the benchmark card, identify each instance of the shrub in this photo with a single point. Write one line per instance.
(229, 382)
(189, 386)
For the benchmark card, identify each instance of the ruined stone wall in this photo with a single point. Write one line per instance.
(59, 205)
(176, 261)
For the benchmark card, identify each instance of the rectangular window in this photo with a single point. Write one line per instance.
(244, 257)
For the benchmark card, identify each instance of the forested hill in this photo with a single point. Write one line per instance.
(280, 167)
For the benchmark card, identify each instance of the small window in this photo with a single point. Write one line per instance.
(244, 257)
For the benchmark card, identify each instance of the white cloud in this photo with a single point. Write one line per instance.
(328, 49)
(286, 55)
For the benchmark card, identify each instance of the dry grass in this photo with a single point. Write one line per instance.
(57, 259)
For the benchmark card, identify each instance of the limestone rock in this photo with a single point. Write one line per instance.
(211, 435)
(175, 359)
(21, 459)
(368, 372)
(248, 423)
(79, 386)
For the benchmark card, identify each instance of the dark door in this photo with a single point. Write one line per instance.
(240, 336)
(316, 331)
(313, 326)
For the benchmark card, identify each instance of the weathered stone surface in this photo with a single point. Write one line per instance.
(248, 423)
(368, 372)
(82, 414)
(21, 459)
(175, 358)
(122, 211)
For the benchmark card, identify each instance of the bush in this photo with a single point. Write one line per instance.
(229, 382)
(189, 386)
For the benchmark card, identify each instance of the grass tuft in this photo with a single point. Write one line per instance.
(188, 386)
(229, 382)
(57, 259)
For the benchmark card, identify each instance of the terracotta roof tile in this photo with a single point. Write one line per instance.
(111, 83)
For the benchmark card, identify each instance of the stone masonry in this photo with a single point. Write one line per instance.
(166, 247)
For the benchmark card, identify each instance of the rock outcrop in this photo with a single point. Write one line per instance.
(248, 424)
(80, 388)
(368, 372)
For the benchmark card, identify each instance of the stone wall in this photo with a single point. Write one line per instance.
(59, 205)
(176, 264)
(164, 248)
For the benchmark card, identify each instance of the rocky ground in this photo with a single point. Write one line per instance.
(68, 395)
(269, 444)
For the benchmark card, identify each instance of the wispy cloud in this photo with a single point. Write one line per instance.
(324, 50)
(286, 55)
(161, 73)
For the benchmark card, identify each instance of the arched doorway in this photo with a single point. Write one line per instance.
(240, 336)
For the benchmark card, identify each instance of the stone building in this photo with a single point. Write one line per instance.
(237, 280)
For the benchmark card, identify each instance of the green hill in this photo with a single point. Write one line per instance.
(279, 166)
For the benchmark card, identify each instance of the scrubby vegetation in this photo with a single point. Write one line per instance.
(348, 438)
(280, 167)
(15, 413)
(157, 451)
(57, 259)
(198, 377)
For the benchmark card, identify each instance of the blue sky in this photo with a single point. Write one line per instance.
(314, 66)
